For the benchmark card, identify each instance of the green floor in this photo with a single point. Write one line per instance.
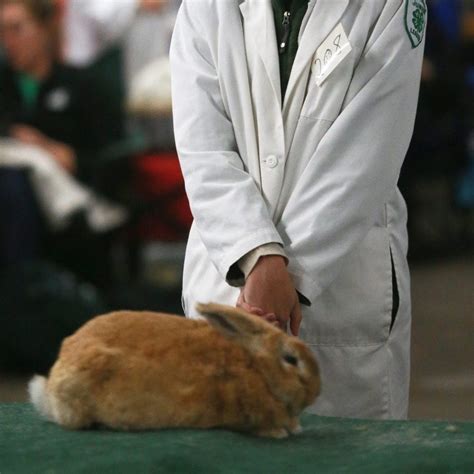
(327, 445)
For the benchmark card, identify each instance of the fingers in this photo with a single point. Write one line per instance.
(241, 303)
(295, 319)
(270, 317)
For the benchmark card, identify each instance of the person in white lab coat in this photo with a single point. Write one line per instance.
(292, 178)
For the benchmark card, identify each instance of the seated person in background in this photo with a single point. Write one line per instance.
(47, 104)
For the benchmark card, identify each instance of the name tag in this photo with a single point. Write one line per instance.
(330, 54)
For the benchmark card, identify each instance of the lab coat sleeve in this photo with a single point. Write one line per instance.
(354, 169)
(230, 214)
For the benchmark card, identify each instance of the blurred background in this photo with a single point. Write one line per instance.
(93, 213)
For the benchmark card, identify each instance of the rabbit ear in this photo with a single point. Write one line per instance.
(231, 322)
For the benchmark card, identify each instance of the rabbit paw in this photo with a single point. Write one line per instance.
(295, 426)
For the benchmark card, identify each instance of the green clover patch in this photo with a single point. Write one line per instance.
(415, 20)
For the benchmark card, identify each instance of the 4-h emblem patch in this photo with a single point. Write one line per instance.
(415, 20)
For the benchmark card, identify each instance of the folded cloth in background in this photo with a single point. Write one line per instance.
(59, 195)
(150, 89)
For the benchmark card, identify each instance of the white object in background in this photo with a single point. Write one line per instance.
(150, 89)
(58, 193)
(148, 38)
(92, 26)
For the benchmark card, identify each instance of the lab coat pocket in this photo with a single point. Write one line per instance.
(395, 293)
(356, 309)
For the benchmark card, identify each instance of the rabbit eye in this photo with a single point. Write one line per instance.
(290, 359)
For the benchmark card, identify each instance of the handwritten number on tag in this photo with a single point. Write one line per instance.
(330, 54)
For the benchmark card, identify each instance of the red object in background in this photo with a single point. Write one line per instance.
(159, 182)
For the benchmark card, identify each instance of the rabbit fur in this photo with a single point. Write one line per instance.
(142, 370)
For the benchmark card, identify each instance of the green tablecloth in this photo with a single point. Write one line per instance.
(327, 445)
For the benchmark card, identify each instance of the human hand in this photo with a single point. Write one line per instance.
(270, 317)
(64, 156)
(269, 293)
(28, 135)
(62, 153)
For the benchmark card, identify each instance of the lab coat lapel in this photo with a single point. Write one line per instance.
(324, 18)
(259, 22)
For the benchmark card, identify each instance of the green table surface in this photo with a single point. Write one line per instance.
(29, 444)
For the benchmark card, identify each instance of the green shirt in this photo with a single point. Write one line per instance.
(29, 89)
(288, 16)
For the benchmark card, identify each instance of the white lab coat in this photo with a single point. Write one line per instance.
(317, 174)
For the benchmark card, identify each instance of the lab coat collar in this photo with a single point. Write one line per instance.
(258, 18)
(324, 16)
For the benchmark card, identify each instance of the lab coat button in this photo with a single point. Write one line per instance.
(271, 161)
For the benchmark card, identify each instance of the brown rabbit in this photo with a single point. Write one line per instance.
(142, 370)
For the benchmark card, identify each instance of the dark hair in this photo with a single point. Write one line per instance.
(43, 11)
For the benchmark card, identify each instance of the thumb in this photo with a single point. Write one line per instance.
(295, 319)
